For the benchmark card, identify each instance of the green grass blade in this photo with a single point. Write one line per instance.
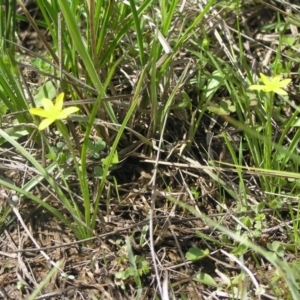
(82, 49)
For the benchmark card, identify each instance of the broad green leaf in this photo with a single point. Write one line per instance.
(45, 91)
(214, 82)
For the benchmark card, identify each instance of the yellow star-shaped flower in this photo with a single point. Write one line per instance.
(52, 112)
(272, 84)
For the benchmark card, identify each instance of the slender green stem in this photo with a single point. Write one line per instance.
(268, 102)
(63, 130)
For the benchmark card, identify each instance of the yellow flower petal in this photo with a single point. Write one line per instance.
(59, 102)
(284, 82)
(276, 79)
(39, 112)
(67, 111)
(45, 123)
(269, 88)
(264, 79)
(47, 104)
(280, 91)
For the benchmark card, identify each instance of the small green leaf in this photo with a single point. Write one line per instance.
(100, 145)
(14, 132)
(42, 65)
(260, 217)
(187, 100)
(96, 147)
(98, 171)
(277, 248)
(3, 108)
(195, 192)
(206, 279)
(120, 275)
(91, 146)
(60, 145)
(241, 249)
(275, 204)
(257, 208)
(206, 42)
(288, 40)
(296, 123)
(237, 279)
(260, 291)
(196, 254)
(62, 158)
(114, 161)
(247, 221)
(6, 59)
(280, 156)
(214, 82)
(223, 108)
(47, 90)
(129, 272)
